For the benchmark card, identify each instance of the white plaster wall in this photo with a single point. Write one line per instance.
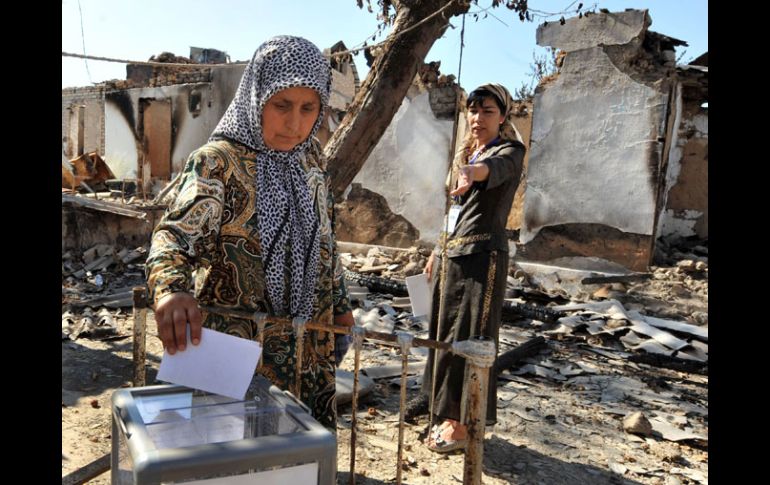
(215, 98)
(119, 145)
(191, 132)
(680, 223)
(701, 125)
(119, 137)
(593, 137)
(409, 165)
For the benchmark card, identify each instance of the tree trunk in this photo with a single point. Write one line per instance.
(385, 86)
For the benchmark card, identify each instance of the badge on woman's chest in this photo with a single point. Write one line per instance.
(454, 214)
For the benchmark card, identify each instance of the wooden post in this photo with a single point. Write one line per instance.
(405, 341)
(479, 353)
(358, 333)
(140, 330)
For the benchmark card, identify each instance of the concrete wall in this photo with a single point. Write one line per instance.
(191, 125)
(523, 123)
(409, 165)
(188, 132)
(597, 145)
(594, 136)
(113, 121)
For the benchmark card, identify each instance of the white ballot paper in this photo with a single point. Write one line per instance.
(220, 364)
(419, 294)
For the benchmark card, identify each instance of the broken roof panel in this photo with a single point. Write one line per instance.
(614, 28)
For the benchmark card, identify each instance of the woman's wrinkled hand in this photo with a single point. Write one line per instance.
(172, 313)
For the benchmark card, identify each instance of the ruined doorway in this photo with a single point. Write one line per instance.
(156, 140)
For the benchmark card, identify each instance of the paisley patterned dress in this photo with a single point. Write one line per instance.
(208, 244)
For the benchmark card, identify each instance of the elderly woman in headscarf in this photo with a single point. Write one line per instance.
(469, 268)
(251, 226)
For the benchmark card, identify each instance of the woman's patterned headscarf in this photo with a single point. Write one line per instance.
(508, 130)
(288, 225)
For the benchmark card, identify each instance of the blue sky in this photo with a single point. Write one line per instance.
(494, 51)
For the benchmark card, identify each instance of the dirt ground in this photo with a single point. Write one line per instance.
(549, 431)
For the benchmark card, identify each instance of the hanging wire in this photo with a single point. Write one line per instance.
(440, 272)
(462, 45)
(336, 54)
(83, 38)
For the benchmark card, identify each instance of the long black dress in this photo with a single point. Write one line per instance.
(475, 277)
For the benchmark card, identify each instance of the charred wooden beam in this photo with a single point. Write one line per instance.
(616, 278)
(507, 359)
(517, 310)
(86, 473)
(377, 283)
(673, 363)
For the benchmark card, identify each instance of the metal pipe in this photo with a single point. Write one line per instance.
(405, 342)
(298, 324)
(358, 342)
(479, 353)
(311, 325)
(140, 330)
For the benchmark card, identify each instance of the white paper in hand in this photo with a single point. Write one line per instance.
(419, 294)
(220, 364)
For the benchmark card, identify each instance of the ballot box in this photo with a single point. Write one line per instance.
(173, 434)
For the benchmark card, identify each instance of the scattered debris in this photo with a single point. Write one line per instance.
(570, 372)
(89, 169)
(636, 423)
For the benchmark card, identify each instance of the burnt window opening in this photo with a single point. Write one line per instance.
(75, 145)
(194, 103)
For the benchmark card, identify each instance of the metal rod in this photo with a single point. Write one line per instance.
(358, 342)
(443, 236)
(405, 341)
(311, 325)
(140, 331)
(479, 352)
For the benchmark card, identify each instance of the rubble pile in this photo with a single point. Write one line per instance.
(393, 263)
(615, 387)
(97, 289)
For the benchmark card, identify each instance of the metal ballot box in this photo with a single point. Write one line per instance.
(174, 434)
